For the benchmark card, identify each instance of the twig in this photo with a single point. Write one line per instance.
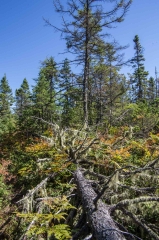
(133, 201)
(143, 225)
(43, 160)
(125, 233)
(147, 189)
(31, 192)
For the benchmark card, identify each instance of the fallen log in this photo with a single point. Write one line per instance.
(102, 225)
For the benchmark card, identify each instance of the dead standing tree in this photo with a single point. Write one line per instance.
(84, 33)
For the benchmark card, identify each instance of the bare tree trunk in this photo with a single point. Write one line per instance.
(86, 70)
(103, 226)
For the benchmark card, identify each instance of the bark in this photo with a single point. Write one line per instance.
(102, 225)
(86, 69)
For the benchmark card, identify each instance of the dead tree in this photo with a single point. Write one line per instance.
(102, 225)
(111, 201)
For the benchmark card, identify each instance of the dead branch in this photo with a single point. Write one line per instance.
(34, 190)
(139, 223)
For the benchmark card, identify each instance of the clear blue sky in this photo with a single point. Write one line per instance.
(25, 41)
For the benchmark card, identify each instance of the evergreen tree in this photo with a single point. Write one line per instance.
(151, 91)
(49, 73)
(23, 97)
(6, 98)
(41, 101)
(6, 102)
(44, 94)
(84, 35)
(49, 70)
(66, 93)
(24, 106)
(107, 83)
(139, 82)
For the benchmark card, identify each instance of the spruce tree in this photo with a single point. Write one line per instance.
(84, 33)
(23, 97)
(66, 93)
(41, 102)
(107, 84)
(151, 89)
(139, 80)
(23, 108)
(6, 102)
(44, 94)
(50, 72)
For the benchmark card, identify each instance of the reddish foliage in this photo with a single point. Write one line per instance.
(4, 170)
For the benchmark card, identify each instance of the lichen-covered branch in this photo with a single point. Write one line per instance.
(140, 223)
(34, 190)
(135, 200)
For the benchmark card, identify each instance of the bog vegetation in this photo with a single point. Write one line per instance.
(79, 153)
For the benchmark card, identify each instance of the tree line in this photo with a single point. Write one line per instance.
(58, 93)
(79, 151)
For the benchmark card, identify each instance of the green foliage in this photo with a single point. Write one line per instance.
(7, 124)
(4, 192)
(44, 95)
(49, 223)
(6, 98)
(7, 120)
(60, 232)
(150, 211)
(139, 78)
(23, 108)
(67, 94)
(38, 160)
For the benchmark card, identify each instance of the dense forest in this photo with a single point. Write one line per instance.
(79, 153)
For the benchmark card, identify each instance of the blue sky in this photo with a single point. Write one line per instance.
(25, 41)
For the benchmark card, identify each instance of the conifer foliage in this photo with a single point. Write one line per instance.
(85, 36)
(6, 102)
(79, 154)
(23, 106)
(140, 75)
